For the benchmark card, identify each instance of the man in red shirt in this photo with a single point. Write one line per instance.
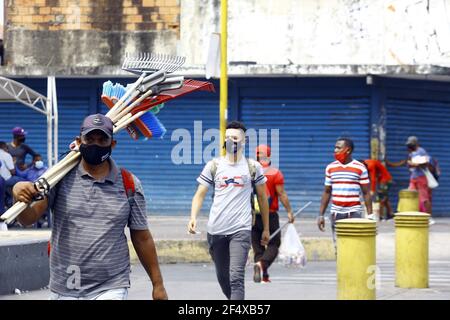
(264, 256)
(381, 178)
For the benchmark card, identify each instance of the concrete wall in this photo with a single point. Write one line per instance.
(292, 37)
(87, 33)
(323, 32)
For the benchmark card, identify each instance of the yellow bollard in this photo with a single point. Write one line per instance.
(408, 200)
(356, 259)
(411, 249)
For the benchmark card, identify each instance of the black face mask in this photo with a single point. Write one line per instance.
(21, 140)
(94, 154)
(232, 147)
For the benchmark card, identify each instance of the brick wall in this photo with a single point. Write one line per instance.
(101, 15)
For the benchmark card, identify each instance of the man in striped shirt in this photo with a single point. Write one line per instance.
(89, 257)
(345, 178)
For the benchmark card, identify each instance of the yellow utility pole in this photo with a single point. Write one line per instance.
(223, 72)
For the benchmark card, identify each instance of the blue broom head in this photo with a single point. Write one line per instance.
(108, 88)
(119, 90)
(153, 123)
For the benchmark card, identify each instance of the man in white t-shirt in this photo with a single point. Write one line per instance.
(230, 218)
(6, 172)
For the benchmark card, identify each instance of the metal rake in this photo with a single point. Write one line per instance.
(151, 62)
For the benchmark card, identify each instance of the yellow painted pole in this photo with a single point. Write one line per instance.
(408, 201)
(223, 72)
(356, 259)
(411, 249)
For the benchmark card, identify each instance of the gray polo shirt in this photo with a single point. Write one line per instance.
(89, 247)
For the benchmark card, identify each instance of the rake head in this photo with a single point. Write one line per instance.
(151, 62)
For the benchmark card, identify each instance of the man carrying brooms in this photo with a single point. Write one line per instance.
(92, 205)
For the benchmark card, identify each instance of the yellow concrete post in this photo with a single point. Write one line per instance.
(356, 259)
(408, 201)
(411, 249)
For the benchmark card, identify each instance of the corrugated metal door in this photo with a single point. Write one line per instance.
(308, 129)
(169, 185)
(430, 122)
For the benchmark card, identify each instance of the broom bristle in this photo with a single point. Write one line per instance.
(152, 123)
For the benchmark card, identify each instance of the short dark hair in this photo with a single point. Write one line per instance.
(236, 125)
(3, 145)
(348, 142)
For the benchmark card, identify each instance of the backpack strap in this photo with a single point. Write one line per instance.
(252, 169)
(128, 184)
(214, 165)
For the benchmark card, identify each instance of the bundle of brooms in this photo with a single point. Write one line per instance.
(133, 107)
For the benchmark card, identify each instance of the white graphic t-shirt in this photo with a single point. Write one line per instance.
(231, 209)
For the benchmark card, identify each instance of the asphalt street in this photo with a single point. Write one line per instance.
(317, 281)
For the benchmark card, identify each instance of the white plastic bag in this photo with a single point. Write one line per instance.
(432, 183)
(292, 253)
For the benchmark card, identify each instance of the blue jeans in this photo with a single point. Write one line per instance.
(230, 253)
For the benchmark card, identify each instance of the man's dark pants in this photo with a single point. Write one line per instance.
(266, 255)
(230, 253)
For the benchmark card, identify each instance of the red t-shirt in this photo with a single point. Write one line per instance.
(274, 178)
(377, 173)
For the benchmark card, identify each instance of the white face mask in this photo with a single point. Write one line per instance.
(39, 164)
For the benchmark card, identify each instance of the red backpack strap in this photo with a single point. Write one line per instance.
(128, 184)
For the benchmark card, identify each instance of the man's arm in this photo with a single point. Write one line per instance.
(367, 198)
(396, 164)
(145, 248)
(197, 202)
(282, 194)
(25, 191)
(10, 164)
(326, 196)
(264, 209)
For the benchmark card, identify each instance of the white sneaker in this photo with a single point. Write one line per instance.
(372, 217)
(431, 222)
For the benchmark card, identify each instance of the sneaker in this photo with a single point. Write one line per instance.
(372, 217)
(266, 280)
(257, 272)
(431, 222)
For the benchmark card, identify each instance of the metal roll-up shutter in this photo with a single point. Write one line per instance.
(169, 187)
(430, 122)
(71, 113)
(308, 129)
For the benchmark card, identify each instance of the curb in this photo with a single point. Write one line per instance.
(196, 251)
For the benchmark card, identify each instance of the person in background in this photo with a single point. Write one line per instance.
(380, 182)
(36, 169)
(417, 180)
(345, 179)
(18, 149)
(8, 173)
(264, 256)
